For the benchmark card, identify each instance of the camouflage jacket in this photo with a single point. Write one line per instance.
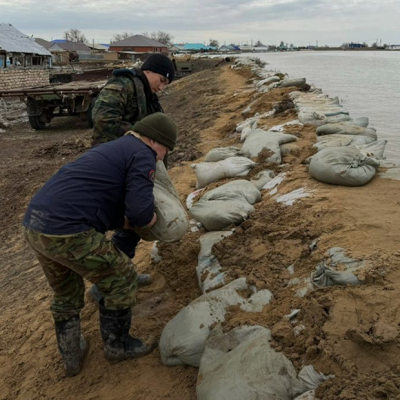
(125, 99)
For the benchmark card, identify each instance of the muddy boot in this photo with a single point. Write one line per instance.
(71, 344)
(118, 343)
(96, 295)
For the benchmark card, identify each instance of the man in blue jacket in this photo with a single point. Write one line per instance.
(128, 97)
(109, 187)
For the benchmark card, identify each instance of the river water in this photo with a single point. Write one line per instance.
(366, 82)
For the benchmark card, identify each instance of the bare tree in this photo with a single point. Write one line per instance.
(160, 36)
(214, 43)
(75, 35)
(120, 36)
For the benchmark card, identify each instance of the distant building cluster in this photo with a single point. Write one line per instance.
(18, 50)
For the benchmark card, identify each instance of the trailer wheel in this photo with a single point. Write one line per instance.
(37, 122)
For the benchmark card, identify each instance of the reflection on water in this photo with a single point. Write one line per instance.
(366, 82)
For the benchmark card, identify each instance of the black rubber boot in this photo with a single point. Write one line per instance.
(118, 343)
(96, 295)
(71, 344)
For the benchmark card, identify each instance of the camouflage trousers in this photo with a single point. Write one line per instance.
(67, 259)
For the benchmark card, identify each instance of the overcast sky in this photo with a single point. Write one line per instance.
(301, 22)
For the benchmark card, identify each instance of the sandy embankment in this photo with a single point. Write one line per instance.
(351, 332)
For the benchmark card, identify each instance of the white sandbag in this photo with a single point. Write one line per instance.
(222, 153)
(345, 128)
(260, 139)
(362, 121)
(267, 81)
(225, 205)
(374, 149)
(313, 89)
(192, 197)
(274, 183)
(247, 130)
(282, 127)
(208, 270)
(209, 172)
(262, 178)
(154, 254)
(182, 340)
(311, 106)
(337, 269)
(290, 198)
(337, 140)
(218, 214)
(310, 379)
(303, 286)
(314, 100)
(172, 220)
(338, 118)
(241, 364)
(292, 82)
(290, 148)
(238, 189)
(248, 122)
(312, 118)
(317, 118)
(345, 166)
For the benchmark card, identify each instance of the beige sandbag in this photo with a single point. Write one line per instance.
(209, 172)
(172, 220)
(260, 139)
(182, 340)
(225, 205)
(241, 364)
(345, 166)
(221, 153)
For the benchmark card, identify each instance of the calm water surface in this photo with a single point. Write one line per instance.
(366, 82)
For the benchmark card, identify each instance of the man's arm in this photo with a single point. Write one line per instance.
(113, 102)
(139, 198)
(127, 225)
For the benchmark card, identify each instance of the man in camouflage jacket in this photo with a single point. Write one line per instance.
(108, 187)
(130, 96)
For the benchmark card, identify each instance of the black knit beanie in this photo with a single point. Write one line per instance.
(158, 127)
(160, 64)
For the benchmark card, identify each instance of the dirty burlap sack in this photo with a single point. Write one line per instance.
(172, 221)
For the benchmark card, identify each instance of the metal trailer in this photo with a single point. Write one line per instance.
(45, 103)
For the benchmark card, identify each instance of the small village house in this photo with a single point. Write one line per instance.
(137, 46)
(23, 62)
(18, 50)
(44, 43)
(60, 49)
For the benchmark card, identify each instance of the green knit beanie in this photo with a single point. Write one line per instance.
(158, 127)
